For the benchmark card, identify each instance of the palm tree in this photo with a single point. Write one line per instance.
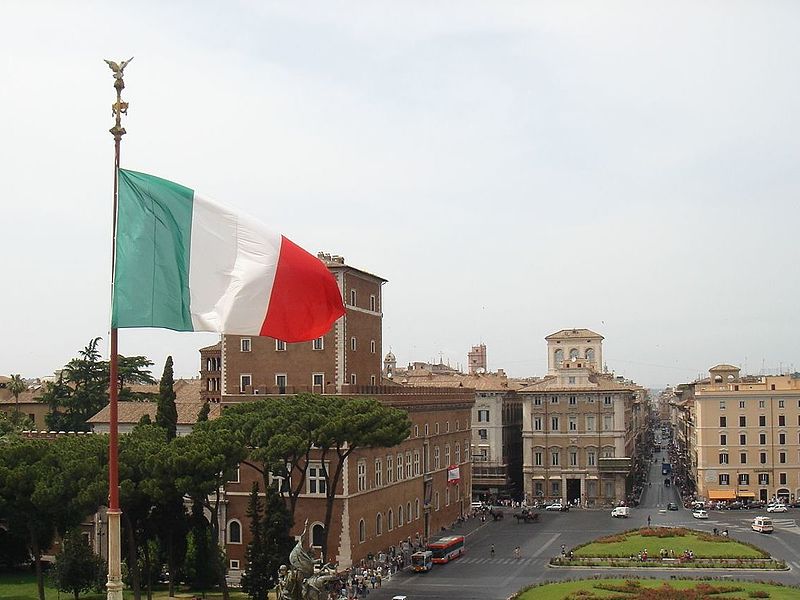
(16, 386)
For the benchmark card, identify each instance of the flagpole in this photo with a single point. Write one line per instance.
(114, 583)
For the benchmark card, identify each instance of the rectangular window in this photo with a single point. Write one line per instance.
(782, 458)
(760, 404)
(537, 459)
(378, 472)
(762, 438)
(573, 458)
(245, 344)
(742, 439)
(607, 400)
(280, 346)
(318, 380)
(352, 378)
(362, 475)
(608, 422)
(554, 458)
(537, 423)
(781, 420)
(762, 420)
(763, 479)
(744, 479)
(762, 458)
(389, 469)
(782, 478)
(399, 465)
(591, 458)
(353, 344)
(573, 423)
(724, 479)
(723, 421)
(352, 297)
(416, 463)
(743, 458)
(483, 433)
(741, 403)
(723, 439)
(280, 382)
(319, 343)
(723, 458)
(234, 564)
(722, 404)
(571, 380)
(742, 421)
(537, 401)
(781, 404)
(315, 480)
(373, 303)
(554, 400)
(573, 400)
(589, 422)
(409, 466)
(553, 423)
(245, 381)
(782, 439)
(483, 416)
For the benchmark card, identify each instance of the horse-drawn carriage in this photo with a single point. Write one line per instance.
(527, 516)
(496, 514)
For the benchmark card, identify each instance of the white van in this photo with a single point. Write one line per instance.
(621, 511)
(762, 525)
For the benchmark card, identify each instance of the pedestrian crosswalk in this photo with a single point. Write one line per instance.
(475, 560)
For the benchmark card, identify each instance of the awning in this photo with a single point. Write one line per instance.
(555, 477)
(538, 477)
(746, 494)
(721, 495)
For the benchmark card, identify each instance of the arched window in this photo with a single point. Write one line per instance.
(362, 531)
(447, 455)
(573, 354)
(378, 524)
(590, 354)
(558, 356)
(234, 532)
(416, 508)
(390, 520)
(409, 514)
(436, 458)
(458, 453)
(436, 500)
(400, 516)
(317, 531)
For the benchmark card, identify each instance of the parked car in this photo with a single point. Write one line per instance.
(777, 508)
(756, 504)
(557, 506)
(672, 506)
(700, 514)
(735, 505)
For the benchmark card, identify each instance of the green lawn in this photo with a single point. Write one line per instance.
(22, 586)
(587, 590)
(702, 545)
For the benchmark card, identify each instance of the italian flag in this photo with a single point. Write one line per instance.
(187, 263)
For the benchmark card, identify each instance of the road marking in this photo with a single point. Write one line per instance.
(796, 566)
(544, 546)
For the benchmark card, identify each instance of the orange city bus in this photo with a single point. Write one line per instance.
(447, 548)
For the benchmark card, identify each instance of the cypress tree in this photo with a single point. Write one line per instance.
(167, 412)
(256, 580)
(277, 524)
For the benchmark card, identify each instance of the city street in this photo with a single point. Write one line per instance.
(480, 576)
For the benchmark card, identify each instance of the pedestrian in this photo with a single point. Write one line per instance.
(648, 520)
(491, 551)
(563, 550)
(516, 552)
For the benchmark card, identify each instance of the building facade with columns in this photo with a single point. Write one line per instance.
(579, 425)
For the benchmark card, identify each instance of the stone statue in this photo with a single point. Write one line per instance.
(301, 582)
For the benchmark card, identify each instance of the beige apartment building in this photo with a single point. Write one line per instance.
(745, 438)
(580, 426)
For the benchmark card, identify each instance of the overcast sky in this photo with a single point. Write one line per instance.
(512, 168)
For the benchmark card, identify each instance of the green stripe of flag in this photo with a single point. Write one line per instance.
(151, 275)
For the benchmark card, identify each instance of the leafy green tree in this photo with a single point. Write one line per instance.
(16, 386)
(47, 487)
(203, 569)
(204, 412)
(167, 413)
(277, 525)
(134, 370)
(77, 568)
(256, 580)
(13, 423)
